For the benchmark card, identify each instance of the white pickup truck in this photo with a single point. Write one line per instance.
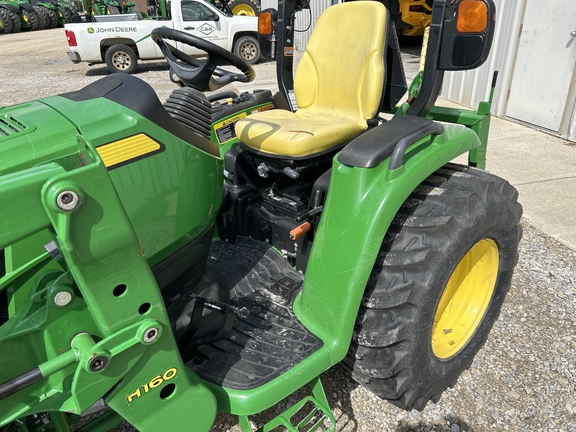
(120, 40)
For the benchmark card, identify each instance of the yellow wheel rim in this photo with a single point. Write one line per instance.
(243, 9)
(465, 299)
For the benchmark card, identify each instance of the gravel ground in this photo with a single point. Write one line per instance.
(522, 380)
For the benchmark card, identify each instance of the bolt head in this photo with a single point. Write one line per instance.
(62, 298)
(98, 364)
(68, 200)
(151, 335)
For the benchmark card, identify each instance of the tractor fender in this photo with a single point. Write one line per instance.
(360, 205)
(26, 6)
(10, 7)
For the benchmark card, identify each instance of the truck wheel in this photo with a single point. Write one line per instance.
(5, 21)
(121, 58)
(43, 20)
(31, 18)
(245, 7)
(248, 49)
(437, 286)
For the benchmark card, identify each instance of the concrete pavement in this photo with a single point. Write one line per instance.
(543, 169)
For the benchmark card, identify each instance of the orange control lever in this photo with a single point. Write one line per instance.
(300, 230)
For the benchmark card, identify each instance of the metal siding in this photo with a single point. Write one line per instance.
(471, 87)
(267, 4)
(572, 127)
(306, 20)
(303, 19)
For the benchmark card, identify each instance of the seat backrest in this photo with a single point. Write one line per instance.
(342, 71)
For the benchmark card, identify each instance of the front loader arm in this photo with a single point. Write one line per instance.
(96, 327)
(21, 209)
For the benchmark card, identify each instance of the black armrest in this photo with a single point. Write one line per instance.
(371, 148)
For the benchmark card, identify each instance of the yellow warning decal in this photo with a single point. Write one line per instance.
(225, 129)
(229, 121)
(128, 149)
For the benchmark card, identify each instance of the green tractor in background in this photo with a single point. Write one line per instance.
(34, 15)
(16, 16)
(238, 7)
(160, 10)
(217, 253)
(113, 7)
(57, 13)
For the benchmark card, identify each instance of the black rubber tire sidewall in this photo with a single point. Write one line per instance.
(43, 19)
(108, 58)
(239, 46)
(52, 18)
(391, 352)
(6, 21)
(113, 10)
(32, 19)
(16, 23)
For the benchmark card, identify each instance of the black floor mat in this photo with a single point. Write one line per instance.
(270, 340)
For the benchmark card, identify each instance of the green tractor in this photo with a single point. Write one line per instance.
(113, 7)
(17, 15)
(160, 10)
(51, 13)
(217, 253)
(238, 7)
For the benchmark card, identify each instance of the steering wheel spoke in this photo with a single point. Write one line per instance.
(203, 75)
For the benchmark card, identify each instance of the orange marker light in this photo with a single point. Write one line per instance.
(472, 16)
(265, 23)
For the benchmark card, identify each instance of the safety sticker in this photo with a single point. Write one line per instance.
(225, 129)
(262, 108)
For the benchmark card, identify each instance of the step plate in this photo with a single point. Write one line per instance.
(270, 340)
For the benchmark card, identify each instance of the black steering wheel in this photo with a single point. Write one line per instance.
(203, 75)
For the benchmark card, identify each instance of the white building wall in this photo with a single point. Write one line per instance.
(305, 20)
(471, 87)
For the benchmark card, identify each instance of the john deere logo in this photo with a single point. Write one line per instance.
(206, 29)
(90, 30)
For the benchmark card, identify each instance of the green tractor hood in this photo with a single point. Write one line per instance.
(34, 133)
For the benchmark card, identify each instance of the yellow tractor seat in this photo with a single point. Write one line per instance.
(338, 85)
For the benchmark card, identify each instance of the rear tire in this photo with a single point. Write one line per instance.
(31, 18)
(52, 18)
(43, 19)
(121, 58)
(113, 10)
(6, 24)
(16, 24)
(437, 287)
(244, 7)
(248, 49)
(66, 14)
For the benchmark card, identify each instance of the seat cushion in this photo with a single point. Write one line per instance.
(281, 132)
(338, 85)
